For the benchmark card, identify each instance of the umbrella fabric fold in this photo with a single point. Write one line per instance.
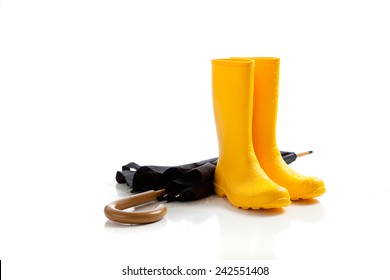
(185, 182)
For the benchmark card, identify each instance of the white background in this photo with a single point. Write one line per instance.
(87, 86)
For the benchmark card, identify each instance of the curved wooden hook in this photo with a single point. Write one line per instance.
(113, 211)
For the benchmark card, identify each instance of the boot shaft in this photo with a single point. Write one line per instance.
(265, 100)
(232, 85)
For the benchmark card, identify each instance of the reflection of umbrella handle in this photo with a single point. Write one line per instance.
(113, 211)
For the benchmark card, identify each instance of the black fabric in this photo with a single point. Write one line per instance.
(185, 182)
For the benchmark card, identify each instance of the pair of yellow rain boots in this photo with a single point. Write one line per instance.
(250, 169)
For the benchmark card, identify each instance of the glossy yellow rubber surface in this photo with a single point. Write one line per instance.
(266, 82)
(238, 174)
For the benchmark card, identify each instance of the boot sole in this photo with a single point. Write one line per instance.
(316, 193)
(277, 203)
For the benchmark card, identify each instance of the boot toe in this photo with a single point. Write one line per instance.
(309, 188)
(256, 197)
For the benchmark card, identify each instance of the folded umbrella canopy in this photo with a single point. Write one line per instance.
(185, 182)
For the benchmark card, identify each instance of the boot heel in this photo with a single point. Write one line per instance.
(219, 191)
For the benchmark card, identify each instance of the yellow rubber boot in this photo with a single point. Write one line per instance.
(265, 107)
(238, 174)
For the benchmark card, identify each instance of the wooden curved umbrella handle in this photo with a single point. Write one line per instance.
(113, 211)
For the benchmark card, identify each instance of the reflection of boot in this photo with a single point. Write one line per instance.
(238, 174)
(256, 237)
(264, 133)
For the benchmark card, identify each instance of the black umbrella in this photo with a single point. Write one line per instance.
(185, 182)
(290, 157)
